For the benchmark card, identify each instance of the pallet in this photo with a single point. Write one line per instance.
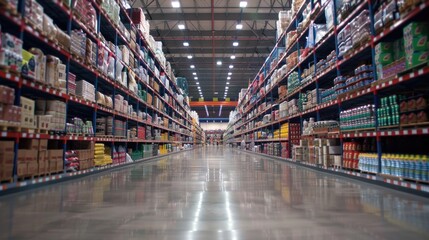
(413, 125)
(5, 181)
(9, 126)
(369, 173)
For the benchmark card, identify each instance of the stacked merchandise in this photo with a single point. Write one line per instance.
(86, 14)
(104, 100)
(10, 52)
(388, 111)
(414, 109)
(86, 90)
(78, 44)
(71, 84)
(284, 20)
(390, 58)
(327, 95)
(387, 13)
(409, 166)
(368, 162)
(352, 151)
(416, 44)
(9, 113)
(327, 63)
(320, 128)
(292, 107)
(363, 77)
(102, 155)
(51, 115)
(119, 155)
(120, 128)
(78, 126)
(358, 118)
(7, 154)
(354, 33)
(308, 74)
(294, 133)
(28, 119)
(42, 157)
(27, 162)
(307, 100)
(292, 82)
(325, 151)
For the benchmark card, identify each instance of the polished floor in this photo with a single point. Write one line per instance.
(213, 193)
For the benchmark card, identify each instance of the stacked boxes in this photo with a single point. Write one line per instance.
(9, 113)
(292, 82)
(11, 52)
(351, 152)
(27, 164)
(326, 150)
(85, 90)
(294, 133)
(389, 58)
(51, 114)
(78, 43)
(42, 157)
(358, 118)
(27, 113)
(34, 14)
(416, 43)
(71, 85)
(6, 159)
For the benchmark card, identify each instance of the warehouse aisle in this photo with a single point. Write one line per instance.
(213, 193)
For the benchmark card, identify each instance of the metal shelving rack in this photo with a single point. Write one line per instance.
(174, 111)
(371, 93)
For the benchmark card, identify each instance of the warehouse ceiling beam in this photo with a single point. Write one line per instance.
(213, 103)
(224, 50)
(217, 16)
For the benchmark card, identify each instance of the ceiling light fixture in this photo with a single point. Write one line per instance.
(176, 4)
(198, 82)
(186, 44)
(229, 74)
(233, 57)
(228, 78)
(219, 63)
(239, 26)
(181, 26)
(235, 44)
(194, 73)
(196, 78)
(231, 66)
(192, 66)
(227, 83)
(243, 4)
(189, 56)
(226, 87)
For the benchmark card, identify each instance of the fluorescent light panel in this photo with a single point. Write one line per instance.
(181, 26)
(235, 44)
(243, 4)
(176, 4)
(186, 44)
(239, 26)
(189, 56)
(219, 63)
(233, 57)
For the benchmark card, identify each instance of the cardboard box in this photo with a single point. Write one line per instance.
(43, 145)
(42, 156)
(6, 158)
(32, 168)
(22, 169)
(7, 146)
(416, 58)
(42, 169)
(52, 166)
(27, 106)
(6, 171)
(30, 144)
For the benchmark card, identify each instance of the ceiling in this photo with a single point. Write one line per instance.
(210, 30)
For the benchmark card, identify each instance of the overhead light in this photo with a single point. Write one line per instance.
(228, 78)
(186, 44)
(233, 57)
(235, 44)
(189, 56)
(243, 4)
(219, 63)
(192, 66)
(239, 26)
(197, 82)
(229, 74)
(227, 83)
(216, 93)
(194, 73)
(199, 88)
(181, 26)
(226, 87)
(231, 66)
(176, 4)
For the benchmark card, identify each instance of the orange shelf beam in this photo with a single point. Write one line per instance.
(213, 103)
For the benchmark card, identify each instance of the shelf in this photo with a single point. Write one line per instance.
(352, 15)
(398, 25)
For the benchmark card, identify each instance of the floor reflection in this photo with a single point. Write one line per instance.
(213, 193)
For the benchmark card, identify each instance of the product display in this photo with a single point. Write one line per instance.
(78, 75)
(366, 88)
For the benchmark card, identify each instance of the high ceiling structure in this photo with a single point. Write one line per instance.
(198, 39)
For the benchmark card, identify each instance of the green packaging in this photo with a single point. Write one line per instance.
(384, 47)
(415, 29)
(416, 58)
(384, 59)
(416, 43)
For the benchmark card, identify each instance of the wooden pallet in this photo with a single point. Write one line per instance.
(8, 180)
(413, 125)
(9, 126)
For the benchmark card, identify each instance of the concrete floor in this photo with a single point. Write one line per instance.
(213, 193)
